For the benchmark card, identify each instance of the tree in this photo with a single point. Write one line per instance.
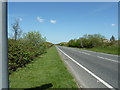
(34, 37)
(16, 29)
(112, 38)
(89, 41)
(78, 43)
(72, 43)
(35, 42)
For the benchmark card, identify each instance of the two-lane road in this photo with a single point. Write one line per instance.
(91, 69)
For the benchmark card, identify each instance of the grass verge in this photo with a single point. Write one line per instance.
(48, 68)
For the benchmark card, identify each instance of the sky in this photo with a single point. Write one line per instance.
(63, 21)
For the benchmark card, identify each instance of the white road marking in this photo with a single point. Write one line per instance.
(100, 57)
(84, 53)
(107, 59)
(95, 76)
(99, 52)
(98, 81)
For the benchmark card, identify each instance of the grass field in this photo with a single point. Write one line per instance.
(109, 50)
(48, 68)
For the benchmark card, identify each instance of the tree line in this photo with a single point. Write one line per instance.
(24, 48)
(90, 41)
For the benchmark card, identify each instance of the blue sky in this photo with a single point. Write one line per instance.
(62, 21)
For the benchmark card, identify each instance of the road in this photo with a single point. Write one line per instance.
(91, 69)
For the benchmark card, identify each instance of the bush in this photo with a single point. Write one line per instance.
(24, 50)
(87, 41)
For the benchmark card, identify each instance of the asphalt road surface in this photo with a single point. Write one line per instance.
(91, 69)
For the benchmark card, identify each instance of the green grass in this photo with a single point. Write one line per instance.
(109, 50)
(48, 68)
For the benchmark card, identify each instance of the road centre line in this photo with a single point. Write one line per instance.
(99, 52)
(100, 57)
(91, 73)
(85, 53)
(107, 59)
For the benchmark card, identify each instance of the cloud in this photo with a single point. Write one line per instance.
(20, 19)
(40, 19)
(113, 25)
(53, 21)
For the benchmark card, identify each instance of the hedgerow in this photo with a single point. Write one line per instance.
(24, 50)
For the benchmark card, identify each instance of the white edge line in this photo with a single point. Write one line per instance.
(105, 83)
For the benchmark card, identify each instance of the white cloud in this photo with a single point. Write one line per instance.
(53, 21)
(40, 19)
(20, 19)
(113, 25)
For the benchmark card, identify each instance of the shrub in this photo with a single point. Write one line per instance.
(24, 50)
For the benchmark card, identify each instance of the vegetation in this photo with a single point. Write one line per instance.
(49, 44)
(112, 38)
(16, 29)
(46, 69)
(87, 41)
(95, 42)
(23, 50)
